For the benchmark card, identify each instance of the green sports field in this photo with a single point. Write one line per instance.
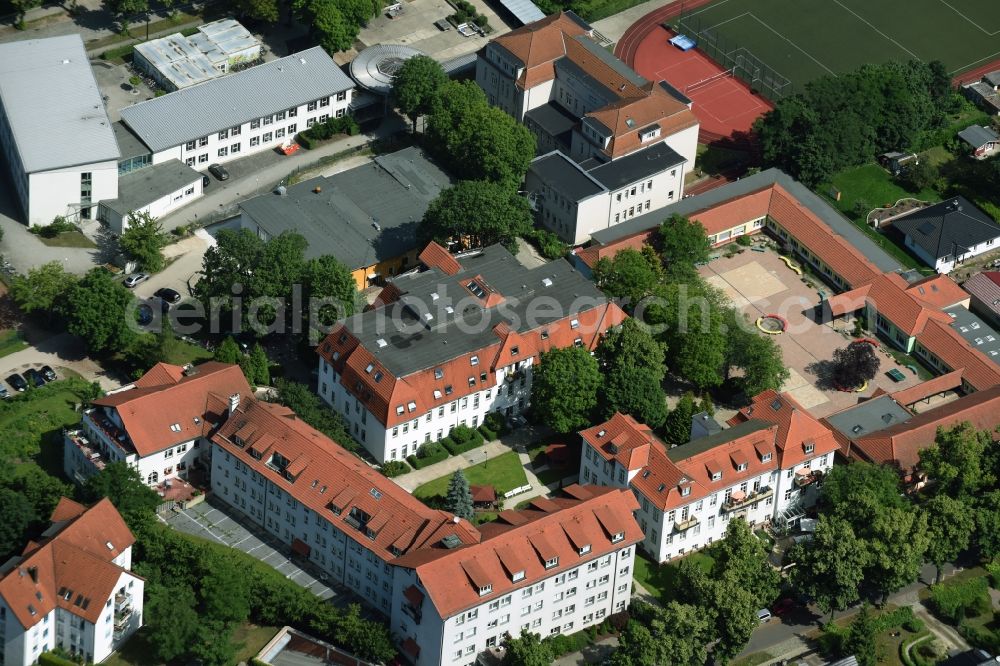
(804, 39)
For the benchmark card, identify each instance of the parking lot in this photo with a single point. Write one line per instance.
(209, 521)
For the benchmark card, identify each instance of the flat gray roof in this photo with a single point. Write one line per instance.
(199, 110)
(53, 105)
(565, 176)
(142, 187)
(981, 336)
(744, 186)
(129, 144)
(393, 192)
(869, 416)
(635, 166)
(709, 442)
(524, 11)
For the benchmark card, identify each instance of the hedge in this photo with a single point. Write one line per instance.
(488, 435)
(462, 439)
(427, 454)
(394, 468)
(953, 602)
(981, 637)
(50, 659)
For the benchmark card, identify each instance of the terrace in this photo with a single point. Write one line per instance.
(739, 500)
(86, 448)
(100, 425)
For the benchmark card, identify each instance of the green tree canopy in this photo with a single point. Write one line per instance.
(756, 356)
(527, 650)
(416, 86)
(328, 280)
(633, 365)
(741, 555)
(143, 241)
(861, 638)
(564, 391)
(677, 424)
(96, 310)
(675, 635)
(855, 364)
(950, 523)
(898, 540)
(260, 10)
(987, 533)
(683, 243)
(310, 408)
(845, 484)
(121, 484)
(630, 275)
(43, 290)
(256, 366)
(459, 497)
(482, 212)
(16, 513)
(831, 567)
(172, 615)
(692, 317)
(956, 464)
(228, 351)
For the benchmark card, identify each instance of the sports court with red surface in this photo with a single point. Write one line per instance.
(724, 105)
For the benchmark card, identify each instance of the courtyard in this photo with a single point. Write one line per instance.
(760, 283)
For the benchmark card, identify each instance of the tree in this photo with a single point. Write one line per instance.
(223, 591)
(845, 484)
(898, 540)
(741, 555)
(675, 635)
(565, 386)
(956, 464)
(860, 640)
(987, 532)
(123, 9)
(310, 408)
(919, 176)
(96, 310)
(16, 513)
(41, 490)
(459, 497)
(228, 351)
(121, 484)
(43, 290)
(950, 523)
(630, 275)
(527, 650)
(22, 7)
(735, 617)
(482, 212)
(261, 10)
(759, 358)
(171, 613)
(213, 645)
(831, 567)
(633, 365)
(677, 425)
(334, 28)
(326, 279)
(854, 365)
(143, 241)
(683, 243)
(369, 639)
(416, 86)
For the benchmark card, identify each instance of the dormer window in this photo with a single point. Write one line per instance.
(574, 324)
(554, 562)
(810, 447)
(474, 360)
(336, 356)
(685, 491)
(399, 410)
(766, 457)
(601, 433)
(411, 405)
(438, 373)
(716, 476)
(514, 351)
(343, 338)
(448, 390)
(741, 467)
(472, 381)
(615, 538)
(649, 133)
(517, 575)
(584, 549)
(486, 589)
(437, 394)
(545, 334)
(175, 427)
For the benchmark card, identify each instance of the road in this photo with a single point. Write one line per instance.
(59, 351)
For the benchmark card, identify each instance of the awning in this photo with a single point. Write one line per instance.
(803, 471)
(300, 547)
(737, 495)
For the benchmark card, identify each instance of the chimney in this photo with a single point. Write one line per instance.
(33, 572)
(234, 402)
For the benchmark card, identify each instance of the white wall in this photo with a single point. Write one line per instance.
(57, 192)
(685, 143)
(159, 208)
(946, 266)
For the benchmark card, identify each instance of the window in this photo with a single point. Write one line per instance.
(311, 106)
(224, 134)
(280, 132)
(292, 129)
(268, 136)
(341, 96)
(235, 148)
(810, 447)
(190, 190)
(203, 158)
(324, 101)
(618, 537)
(254, 141)
(190, 145)
(268, 120)
(255, 123)
(292, 112)
(202, 142)
(189, 161)
(223, 152)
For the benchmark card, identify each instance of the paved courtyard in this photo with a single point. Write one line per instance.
(761, 283)
(213, 521)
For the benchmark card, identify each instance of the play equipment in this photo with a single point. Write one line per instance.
(772, 324)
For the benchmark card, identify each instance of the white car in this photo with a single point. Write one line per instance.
(763, 616)
(136, 278)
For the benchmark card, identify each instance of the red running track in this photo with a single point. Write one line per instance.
(965, 77)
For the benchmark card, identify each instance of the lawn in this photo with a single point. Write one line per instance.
(503, 473)
(183, 353)
(908, 359)
(10, 342)
(802, 41)
(68, 239)
(660, 579)
(754, 659)
(247, 637)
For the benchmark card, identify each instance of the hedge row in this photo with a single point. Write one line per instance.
(427, 454)
(50, 659)
(462, 439)
(953, 602)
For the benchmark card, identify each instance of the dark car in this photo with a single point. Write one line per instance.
(144, 314)
(169, 295)
(17, 382)
(34, 377)
(219, 171)
(48, 373)
(205, 181)
(4, 393)
(783, 607)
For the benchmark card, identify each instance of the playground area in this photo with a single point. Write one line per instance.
(764, 288)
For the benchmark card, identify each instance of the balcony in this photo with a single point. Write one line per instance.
(103, 427)
(86, 448)
(738, 501)
(414, 613)
(805, 477)
(123, 602)
(681, 525)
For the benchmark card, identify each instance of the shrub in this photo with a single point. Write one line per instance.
(953, 602)
(745, 241)
(428, 454)
(893, 619)
(394, 468)
(993, 568)
(134, 80)
(462, 434)
(50, 659)
(496, 422)
(914, 625)
(547, 243)
(981, 637)
(488, 435)
(472, 439)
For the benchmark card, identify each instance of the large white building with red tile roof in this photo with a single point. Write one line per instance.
(613, 145)
(761, 469)
(73, 588)
(159, 425)
(453, 343)
(449, 590)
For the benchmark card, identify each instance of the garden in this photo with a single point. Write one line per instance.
(660, 578)
(320, 132)
(964, 602)
(461, 439)
(504, 473)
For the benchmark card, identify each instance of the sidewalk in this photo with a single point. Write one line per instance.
(614, 26)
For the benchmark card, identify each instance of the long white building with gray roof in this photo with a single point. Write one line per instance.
(257, 109)
(54, 130)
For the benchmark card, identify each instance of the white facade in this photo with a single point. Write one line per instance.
(72, 192)
(398, 442)
(88, 450)
(947, 264)
(257, 135)
(159, 208)
(567, 602)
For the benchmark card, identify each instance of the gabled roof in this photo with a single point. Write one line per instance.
(454, 579)
(941, 339)
(985, 287)
(542, 41)
(941, 383)
(197, 402)
(978, 136)
(71, 567)
(948, 228)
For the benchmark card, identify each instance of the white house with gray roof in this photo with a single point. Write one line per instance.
(54, 130)
(257, 109)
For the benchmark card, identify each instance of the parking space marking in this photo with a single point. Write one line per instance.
(202, 527)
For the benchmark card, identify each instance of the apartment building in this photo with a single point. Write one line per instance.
(54, 130)
(589, 109)
(257, 109)
(448, 589)
(450, 344)
(159, 425)
(763, 468)
(73, 588)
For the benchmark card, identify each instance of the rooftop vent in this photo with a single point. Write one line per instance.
(302, 60)
(547, 282)
(601, 433)
(856, 429)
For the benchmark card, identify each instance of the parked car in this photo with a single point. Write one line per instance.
(144, 314)
(4, 393)
(17, 382)
(135, 279)
(205, 181)
(169, 295)
(783, 606)
(763, 616)
(34, 377)
(48, 373)
(218, 171)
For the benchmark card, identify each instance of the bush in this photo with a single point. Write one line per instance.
(547, 243)
(50, 659)
(59, 225)
(745, 241)
(134, 80)
(470, 439)
(394, 468)
(496, 422)
(953, 602)
(981, 637)
(118, 52)
(488, 435)
(428, 454)
(993, 568)
(914, 625)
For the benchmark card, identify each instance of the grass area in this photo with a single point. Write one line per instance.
(138, 30)
(68, 239)
(803, 41)
(661, 579)
(962, 576)
(754, 659)
(248, 638)
(251, 639)
(484, 517)
(10, 342)
(936, 156)
(184, 352)
(503, 473)
(909, 359)
(872, 185)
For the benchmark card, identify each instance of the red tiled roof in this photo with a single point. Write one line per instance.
(944, 342)
(940, 384)
(938, 291)
(160, 374)
(483, 493)
(77, 558)
(890, 297)
(540, 41)
(453, 579)
(901, 444)
(335, 477)
(197, 402)
(435, 256)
